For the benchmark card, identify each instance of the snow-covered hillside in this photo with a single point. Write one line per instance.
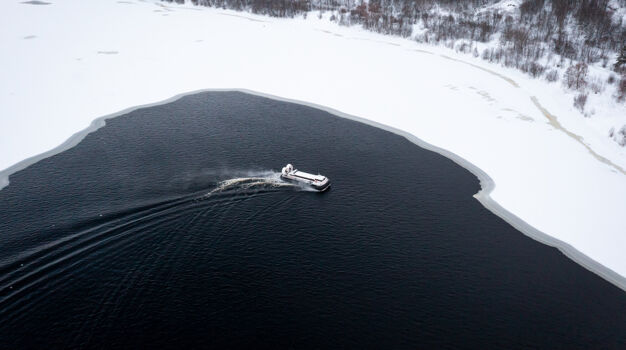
(573, 43)
(68, 62)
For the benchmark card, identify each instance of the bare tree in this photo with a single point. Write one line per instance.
(621, 60)
(580, 101)
(576, 76)
(621, 89)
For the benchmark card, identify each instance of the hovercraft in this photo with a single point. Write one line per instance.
(319, 183)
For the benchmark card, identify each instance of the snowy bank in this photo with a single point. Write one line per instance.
(67, 63)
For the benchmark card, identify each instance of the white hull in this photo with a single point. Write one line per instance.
(319, 183)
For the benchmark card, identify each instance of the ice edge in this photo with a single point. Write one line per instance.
(483, 196)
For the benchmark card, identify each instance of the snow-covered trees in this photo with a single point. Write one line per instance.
(531, 38)
(580, 101)
(576, 76)
(620, 64)
(579, 30)
(621, 89)
(618, 136)
(552, 75)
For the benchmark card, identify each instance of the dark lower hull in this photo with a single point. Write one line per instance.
(321, 188)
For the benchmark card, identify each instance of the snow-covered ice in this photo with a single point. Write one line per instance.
(87, 59)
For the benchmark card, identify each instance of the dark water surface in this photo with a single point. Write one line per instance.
(167, 228)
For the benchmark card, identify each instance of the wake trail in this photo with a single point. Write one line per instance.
(24, 272)
(254, 182)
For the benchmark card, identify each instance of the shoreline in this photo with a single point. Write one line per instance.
(483, 196)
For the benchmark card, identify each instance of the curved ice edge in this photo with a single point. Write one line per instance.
(483, 196)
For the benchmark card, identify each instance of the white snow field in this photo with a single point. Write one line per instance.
(557, 179)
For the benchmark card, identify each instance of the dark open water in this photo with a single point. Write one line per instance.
(133, 239)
